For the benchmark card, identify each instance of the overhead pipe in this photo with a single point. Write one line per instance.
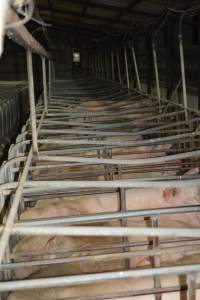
(4, 6)
(16, 31)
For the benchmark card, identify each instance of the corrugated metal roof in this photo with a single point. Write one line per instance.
(109, 15)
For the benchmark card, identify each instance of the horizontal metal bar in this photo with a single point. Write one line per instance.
(104, 231)
(59, 185)
(186, 250)
(95, 278)
(144, 161)
(110, 216)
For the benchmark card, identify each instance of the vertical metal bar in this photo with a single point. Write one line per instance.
(148, 62)
(198, 42)
(101, 61)
(122, 194)
(98, 64)
(182, 61)
(112, 65)
(32, 101)
(126, 66)
(191, 281)
(118, 67)
(170, 54)
(96, 59)
(95, 65)
(44, 76)
(97, 70)
(156, 74)
(53, 70)
(156, 259)
(50, 78)
(136, 69)
(107, 65)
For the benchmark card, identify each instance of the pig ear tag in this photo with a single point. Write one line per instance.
(169, 193)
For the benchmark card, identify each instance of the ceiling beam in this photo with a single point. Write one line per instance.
(94, 28)
(112, 8)
(71, 29)
(80, 15)
(125, 11)
(86, 6)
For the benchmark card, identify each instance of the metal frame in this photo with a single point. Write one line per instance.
(66, 141)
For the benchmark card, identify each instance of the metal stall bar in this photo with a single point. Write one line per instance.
(156, 74)
(6, 232)
(35, 190)
(126, 67)
(118, 67)
(184, 89)
(32, 101)
(136, 69)
(95, 278)
(44, 75)
(50, 78)
(112, 65)
(182, 63)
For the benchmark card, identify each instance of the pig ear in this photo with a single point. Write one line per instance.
(194, 171)
(169, 194)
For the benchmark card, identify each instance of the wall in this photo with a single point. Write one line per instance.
(62, 45)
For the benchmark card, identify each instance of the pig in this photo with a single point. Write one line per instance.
(136, 199)
(124, 153)
(106, 288)
(37, 245)
(94, 106)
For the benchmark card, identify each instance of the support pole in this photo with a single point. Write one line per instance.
(107, 66)
(191, 281)
(149, 60)
(101, 62)
(98, 67)
(112, 65)
(95, 64)
(50, 77)
(182, 61)
(44, 75)
(136, 69)
(126, 66)
(156, 74)
(32, 101)
(118, 67)
(171, 59)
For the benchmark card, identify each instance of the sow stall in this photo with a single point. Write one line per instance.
(85, 147)
(99, 196)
